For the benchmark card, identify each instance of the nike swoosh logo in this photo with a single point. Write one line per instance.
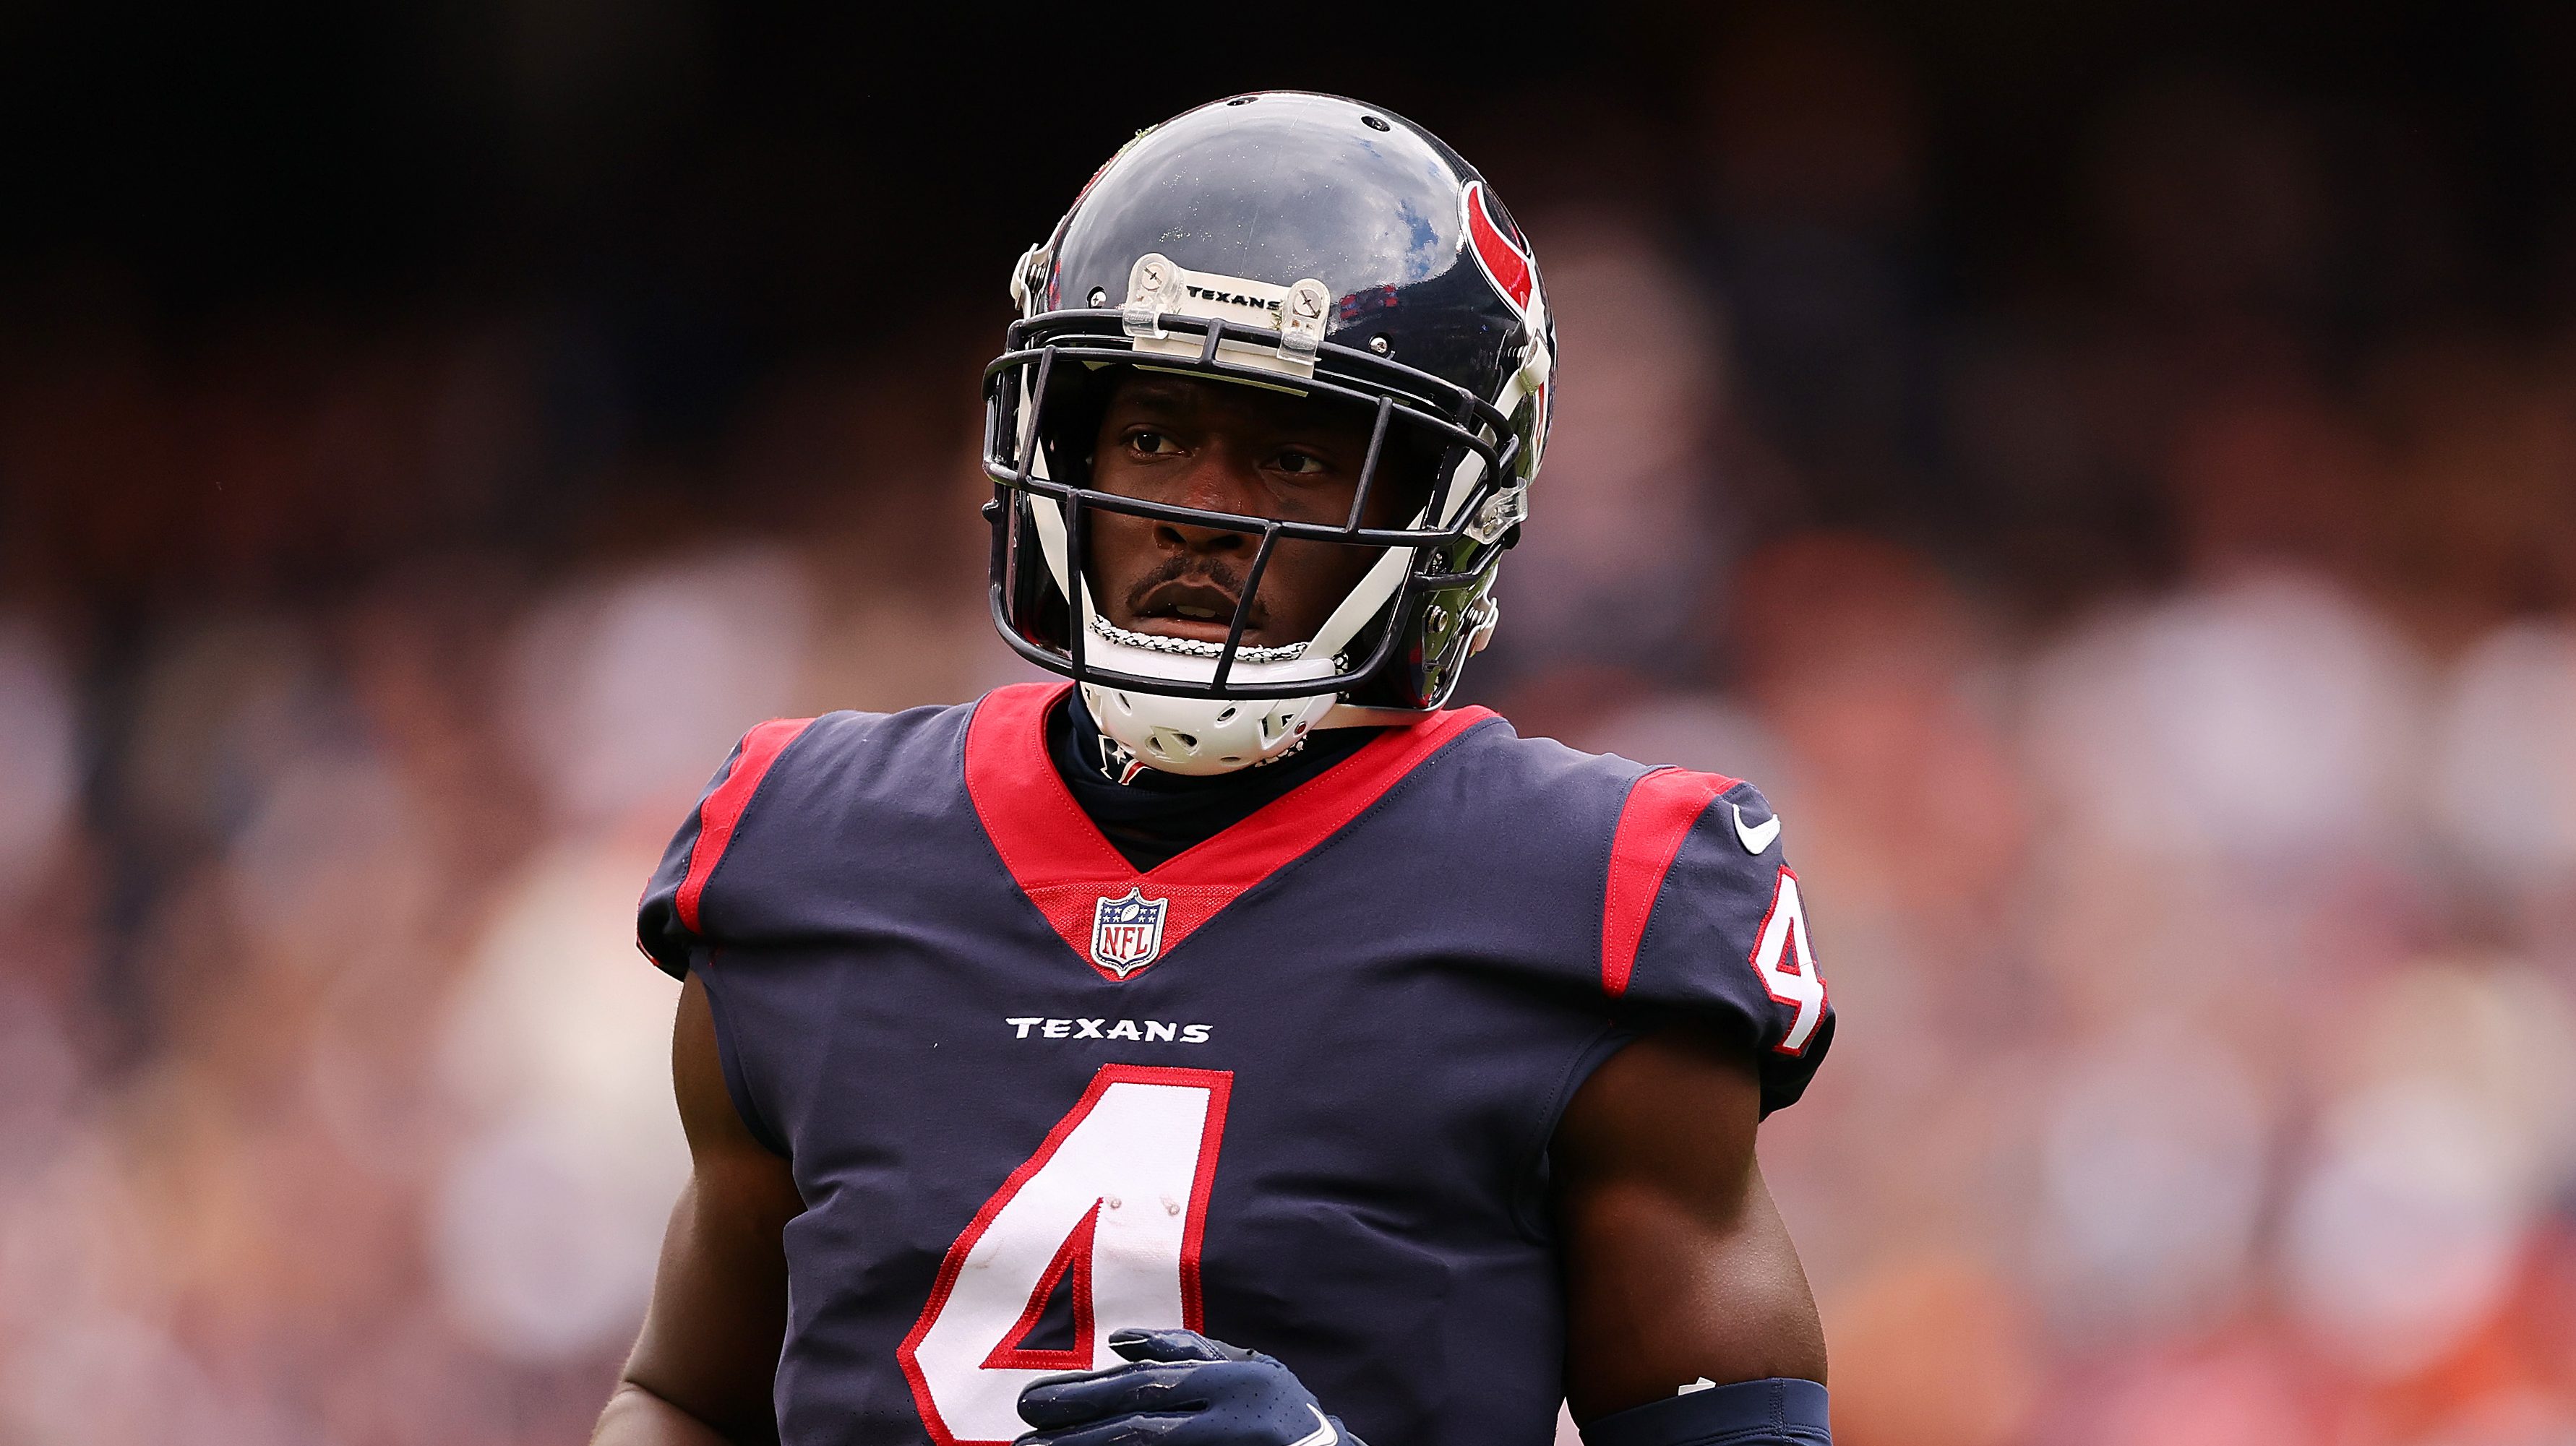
(1322, 1435)
(1759, 836)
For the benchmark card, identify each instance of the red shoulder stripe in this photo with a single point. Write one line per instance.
(1658, 815)
(724, 805)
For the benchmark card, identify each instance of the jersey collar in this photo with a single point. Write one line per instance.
(1068, 869)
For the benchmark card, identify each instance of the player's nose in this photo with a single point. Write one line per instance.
(1218, 480)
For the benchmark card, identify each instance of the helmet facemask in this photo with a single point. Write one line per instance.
(1192, 707)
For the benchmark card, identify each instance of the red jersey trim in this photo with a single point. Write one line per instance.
(1062, 863)
(1658, 815)
(722, 809)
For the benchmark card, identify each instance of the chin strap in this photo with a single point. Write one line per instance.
(1120, 765)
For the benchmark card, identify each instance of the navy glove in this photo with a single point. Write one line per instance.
(1178, 1389)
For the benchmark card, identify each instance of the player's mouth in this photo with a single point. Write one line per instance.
(1194, 608)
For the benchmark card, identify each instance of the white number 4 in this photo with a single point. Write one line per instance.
(1115, 1199)
(1787, 964)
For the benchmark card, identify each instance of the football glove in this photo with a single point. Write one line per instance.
(1178, 1388)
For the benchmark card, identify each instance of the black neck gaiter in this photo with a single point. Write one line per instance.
(1156, 816)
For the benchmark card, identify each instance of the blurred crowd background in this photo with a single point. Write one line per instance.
(2109, 472)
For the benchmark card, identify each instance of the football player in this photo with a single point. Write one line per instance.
(1233, 1045)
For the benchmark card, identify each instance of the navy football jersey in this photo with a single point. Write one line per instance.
(1293, 1087)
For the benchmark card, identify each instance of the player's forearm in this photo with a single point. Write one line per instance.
(637, 1417)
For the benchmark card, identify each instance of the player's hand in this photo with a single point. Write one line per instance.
(1178, 1388)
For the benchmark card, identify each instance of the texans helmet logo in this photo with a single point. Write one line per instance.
(1506, 261)
(1499, 252)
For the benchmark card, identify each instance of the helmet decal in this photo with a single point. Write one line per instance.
(1505, 262)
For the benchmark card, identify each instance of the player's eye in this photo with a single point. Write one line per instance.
(1301, 464)
(1152, 443)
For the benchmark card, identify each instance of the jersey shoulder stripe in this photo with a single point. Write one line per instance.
(723, 806)
(1660, 809)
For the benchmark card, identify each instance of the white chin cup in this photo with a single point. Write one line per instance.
(1200, 736)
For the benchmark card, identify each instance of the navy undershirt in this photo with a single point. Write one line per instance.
(1158, 815)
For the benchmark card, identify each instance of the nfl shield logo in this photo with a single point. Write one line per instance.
(1127, 933)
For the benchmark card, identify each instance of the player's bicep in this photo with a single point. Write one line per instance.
(711, 1338)
(1677, 1264)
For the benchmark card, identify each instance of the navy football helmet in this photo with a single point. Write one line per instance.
(1297, 242)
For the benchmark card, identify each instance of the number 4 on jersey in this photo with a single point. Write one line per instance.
(1113, 1205)
(1787, 964)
